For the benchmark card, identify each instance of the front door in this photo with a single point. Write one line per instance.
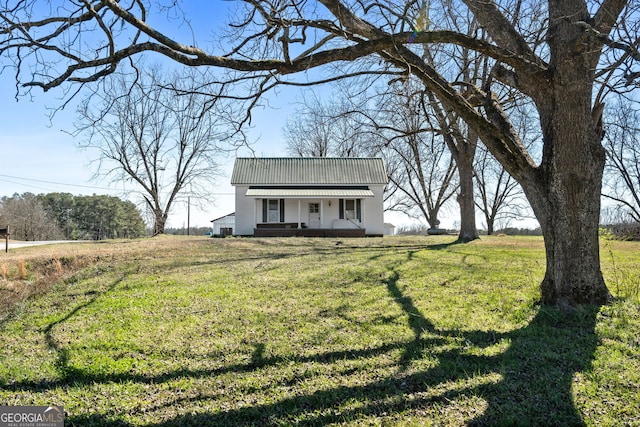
(314, 215)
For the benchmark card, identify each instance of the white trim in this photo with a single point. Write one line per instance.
(284, 193)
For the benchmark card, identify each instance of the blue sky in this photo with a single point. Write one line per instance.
(39, 156)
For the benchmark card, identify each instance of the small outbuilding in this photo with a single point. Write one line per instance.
(389, 229)
(224, 226)
(309, 196)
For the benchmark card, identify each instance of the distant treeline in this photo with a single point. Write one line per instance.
(420, 229)
(621, 231)
(65, 216)
(193, 231)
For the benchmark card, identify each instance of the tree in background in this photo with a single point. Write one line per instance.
(28, 219)
(498, 196)
(421, 169)
(556, 53)
(158, 133)
(622, 142)
(325, 129)
(107, 217)
(61, 206)
(94, 217)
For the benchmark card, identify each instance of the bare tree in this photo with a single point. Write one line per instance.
(422, 171)
(469, 69)
(462, 141)
(324, 129)
(28, 219)
(161, 136)
(622, 141)
(499, 196)
(423, 177)
(555, 52)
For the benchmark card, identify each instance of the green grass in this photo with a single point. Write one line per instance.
(394, 331)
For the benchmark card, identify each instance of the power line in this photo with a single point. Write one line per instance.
(74, 185)
(24, 185)
(52, 183)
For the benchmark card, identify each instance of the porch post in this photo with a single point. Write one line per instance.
(255, 212)
(299, 206)
(321, 212)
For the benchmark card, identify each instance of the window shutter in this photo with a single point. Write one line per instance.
(341, 208)
(281, 210)
(359, 209)
(265, 207)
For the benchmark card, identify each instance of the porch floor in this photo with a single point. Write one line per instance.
(309, 232)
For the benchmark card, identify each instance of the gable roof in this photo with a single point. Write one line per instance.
(308, 171)
(232, 214)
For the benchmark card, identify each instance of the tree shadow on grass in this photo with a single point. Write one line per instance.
(528, 383)
(538, 368)
(533, 386)
(62, 354)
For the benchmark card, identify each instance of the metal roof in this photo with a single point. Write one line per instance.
(308, 171)
(232, 214)
(308, 193)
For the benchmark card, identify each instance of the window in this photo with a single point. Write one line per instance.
(350, 209)
(314, 207)
(272, 210)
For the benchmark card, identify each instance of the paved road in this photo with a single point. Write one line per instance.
(18, 244)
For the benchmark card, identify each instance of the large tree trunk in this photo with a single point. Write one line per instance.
(568, 208)
(464, 162)
(159, 222)
(566, 200)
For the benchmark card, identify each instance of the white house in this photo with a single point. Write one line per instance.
(309, 196)
(225, 225)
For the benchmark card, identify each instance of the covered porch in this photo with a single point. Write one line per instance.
(309, 212)
(308, 232)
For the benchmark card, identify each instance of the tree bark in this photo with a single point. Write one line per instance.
(464, 161)
(159, 221)
(568, 209)
(566, 199)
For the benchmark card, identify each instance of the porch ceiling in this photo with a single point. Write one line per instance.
(315, 193)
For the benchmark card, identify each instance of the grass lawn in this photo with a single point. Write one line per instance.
(176, 331)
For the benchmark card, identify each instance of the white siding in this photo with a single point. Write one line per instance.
(373, 211)
(326, 172)
(245, 212)
(228, 221)
(249, 212)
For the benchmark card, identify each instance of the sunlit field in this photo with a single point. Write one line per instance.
(178, 331)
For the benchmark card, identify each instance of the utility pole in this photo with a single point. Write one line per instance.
(188, 215)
